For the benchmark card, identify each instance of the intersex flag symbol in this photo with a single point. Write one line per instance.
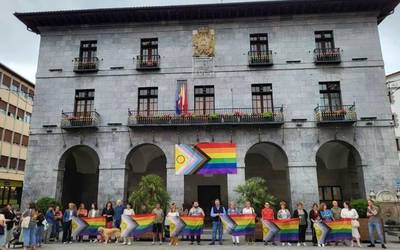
(238, 225)
(78, 225)
(128, 225)
(269, 230)
(176, 225)
(282, 230)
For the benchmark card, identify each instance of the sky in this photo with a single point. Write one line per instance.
(19, 48)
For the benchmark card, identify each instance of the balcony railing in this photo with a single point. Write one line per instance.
(148, 62)
(227, 116)
(327, 55)
(86, 64)
(260, 58)
(336, 114)
(75, 120)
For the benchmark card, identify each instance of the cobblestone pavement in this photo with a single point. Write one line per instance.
(185, 245)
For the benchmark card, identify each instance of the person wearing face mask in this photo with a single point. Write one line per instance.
(195, 211)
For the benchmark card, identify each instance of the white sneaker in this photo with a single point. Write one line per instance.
(298, 244)
(289, 244)
(323, 245)
(153, 243)
(160, 243)
(124, 243)
(283, 243)
(129, 243)
(304, 244)
(319, 245)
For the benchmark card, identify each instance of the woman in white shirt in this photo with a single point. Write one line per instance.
(93, 213)
(129, 212)
(283, 214)
(248, 209)
(173, 212)
(350, 213)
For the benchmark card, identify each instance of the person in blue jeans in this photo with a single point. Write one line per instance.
(29, 232)
(217, 210)
(374, 224)
(39, 229)
(118, 211)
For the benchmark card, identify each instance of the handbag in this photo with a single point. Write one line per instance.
(355, 223)
(25, 222)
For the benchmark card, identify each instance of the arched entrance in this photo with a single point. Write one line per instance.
(269, 161)
(79, 175)
(339, 172)
(143, 160)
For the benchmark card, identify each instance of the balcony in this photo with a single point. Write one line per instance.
(322, 56)
(228, 116)
(80, 120)
(86, 64)
(260, 58)
(148, 62)
(344, 114)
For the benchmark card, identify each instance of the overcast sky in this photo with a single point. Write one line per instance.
(19, 48)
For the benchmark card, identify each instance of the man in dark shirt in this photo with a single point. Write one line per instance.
(9, 214)
(216, 211)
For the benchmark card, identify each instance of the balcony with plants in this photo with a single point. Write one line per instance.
(343, 114)
(80, 120)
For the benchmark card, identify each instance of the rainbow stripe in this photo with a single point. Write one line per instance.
(340, 230)
(245, 224)
(92, 225)
(193, 225)
(145, 223)
(222, 158)
(288, 229)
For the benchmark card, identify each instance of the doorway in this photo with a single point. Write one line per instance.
(206, 197)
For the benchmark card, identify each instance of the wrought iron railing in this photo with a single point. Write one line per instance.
(259, 58)
(86, 64)
(90, 119)
(341, 113)
(148, 62)
(331, 55)
(228, 116)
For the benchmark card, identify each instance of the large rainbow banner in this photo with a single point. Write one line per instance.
(281, 230)
(136, 225)
(238, 225)
(186, 225)
(87, 226)
(331, 231)
(205, 158)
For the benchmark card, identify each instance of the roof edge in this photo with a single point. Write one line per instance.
(9, 70)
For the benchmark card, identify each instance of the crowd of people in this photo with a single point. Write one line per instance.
(36, 227)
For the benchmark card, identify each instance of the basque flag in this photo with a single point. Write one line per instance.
(181, 98)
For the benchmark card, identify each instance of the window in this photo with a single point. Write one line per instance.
(87, 51)
(6, 81)
(11, 110)
(149, 48)
(204, 100)
(7, 136)
(25, 141)
(262, 98)
(148, 101)
(31, 93)
(27, 118)
(24, 91)
(3, 106)
(258, 42)
(84, 102)
(330, 97)
(15, 86)
(330, 193)
(21, 165)
(13, 163)
(20, 114)
(4, 161)
(17, 138)
(324, 40)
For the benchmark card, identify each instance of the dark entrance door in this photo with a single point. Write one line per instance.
(206, 196)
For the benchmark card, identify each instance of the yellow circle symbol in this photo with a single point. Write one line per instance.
(180, 159)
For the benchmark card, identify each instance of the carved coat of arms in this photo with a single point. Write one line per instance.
(203, 42)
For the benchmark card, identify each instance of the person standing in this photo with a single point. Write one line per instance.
(158, 223)
(118, 211)
(3, 231)
(314, 218)
(195, 211)
(82, 212)
(283, 214)
(93, 213)
(301, 213)
(248, 209)
(128, 211)
(49, 216)
(233, 210)
(374, 223)
(108, 213)
(268, 214)
(173, 212)
(67, 222)
(350, 213)
(39, 228)
(9, 214)
(28, 224)
(326, 214)
(58, 217)
(336, 210)
(217, 229)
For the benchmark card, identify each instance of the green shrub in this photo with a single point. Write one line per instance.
(267, 115)
(360, 205)
(45, 202)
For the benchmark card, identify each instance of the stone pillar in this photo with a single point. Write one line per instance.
(303, 184)
(235, 180)
(111, 183)
(175, 185)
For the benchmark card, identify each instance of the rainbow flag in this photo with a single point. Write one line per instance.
(269, 230)
(193, 225)
(222, 158)
(92, 225)
(321, 232)
(340, 230)
(288, 229)
(240, 224)
(144, 223)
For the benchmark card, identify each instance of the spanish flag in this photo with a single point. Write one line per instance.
(181, 98)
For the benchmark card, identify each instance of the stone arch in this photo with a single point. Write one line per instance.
(270, 162)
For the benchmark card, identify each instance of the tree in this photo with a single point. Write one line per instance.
(149, 192)
(45, 202)
(360, 205)
(255, 190)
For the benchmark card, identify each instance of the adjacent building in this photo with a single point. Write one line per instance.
(393, 84)
(16, 97)
(298, 86)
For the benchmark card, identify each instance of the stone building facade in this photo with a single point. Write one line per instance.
(308, 109)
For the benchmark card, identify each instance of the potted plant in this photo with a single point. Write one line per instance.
(45, 202)
(360, 205)
(268, 115)
(214, 117)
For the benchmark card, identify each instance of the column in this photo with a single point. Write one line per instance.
(111, 184)
(175, 185)
(303, 184)
(235, 180)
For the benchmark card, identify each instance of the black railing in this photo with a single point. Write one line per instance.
(227, 116)
(86, 64)
(336, 114)
(90, 119)
(148, 62)
(260, 58)
(331, 55)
